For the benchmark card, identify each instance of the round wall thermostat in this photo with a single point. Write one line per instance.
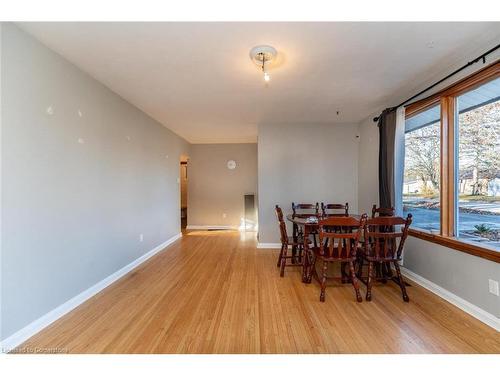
(231, 164)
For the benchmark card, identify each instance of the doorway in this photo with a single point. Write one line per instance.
(184, 198)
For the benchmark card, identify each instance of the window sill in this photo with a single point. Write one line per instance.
(455, 244)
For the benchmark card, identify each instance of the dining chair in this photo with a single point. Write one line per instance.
(335, 207)
(286, 241)
(298, 209)
(383, 268)
(337, 247)
(382, 211)
(305, 210)
(384, 239)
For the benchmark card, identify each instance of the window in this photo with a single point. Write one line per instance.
(478, 177)
(421, 170)
(455, 135)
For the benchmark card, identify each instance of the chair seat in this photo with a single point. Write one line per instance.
(361, 252)
(300, 241)
(316, 251)
(377, 259)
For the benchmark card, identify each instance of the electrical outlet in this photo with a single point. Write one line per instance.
(141, 237)
(224, 215)
(493, 287)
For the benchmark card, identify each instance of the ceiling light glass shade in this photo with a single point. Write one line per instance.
(262, 56)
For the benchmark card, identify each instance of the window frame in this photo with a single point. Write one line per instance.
(446, 98)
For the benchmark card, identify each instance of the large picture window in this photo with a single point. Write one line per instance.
(452, 165)
(421, 169)
(478, 179)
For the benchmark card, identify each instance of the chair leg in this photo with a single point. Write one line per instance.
(344, 278)
(355, 282)
(359, 274)
(323, 282)
(401, 282)
(280, 256)
(283, 260)
(369, 282)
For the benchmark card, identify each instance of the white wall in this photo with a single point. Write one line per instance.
(305, 163)
(72, 212)
(213, 189)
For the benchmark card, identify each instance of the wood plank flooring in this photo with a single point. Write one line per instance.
(214, 292)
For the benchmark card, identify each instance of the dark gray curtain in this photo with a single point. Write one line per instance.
(387, 135)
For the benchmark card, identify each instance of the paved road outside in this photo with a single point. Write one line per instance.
(428, 219)
(481, 206)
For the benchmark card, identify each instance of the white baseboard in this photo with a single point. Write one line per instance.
(213, 227)
(31, 329)
(268, 245)
(459, 302)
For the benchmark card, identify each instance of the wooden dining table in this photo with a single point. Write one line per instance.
(308, 228)
(311, 227)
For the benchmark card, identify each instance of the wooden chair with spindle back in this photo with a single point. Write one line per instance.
(337, 208)
(383, 244)
(305, 206)
(382, 211)
(338, 247)
(287, 241)
(381, 269)
(305, 210)
(334, 209)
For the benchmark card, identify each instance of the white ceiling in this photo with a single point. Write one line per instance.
(197, 78)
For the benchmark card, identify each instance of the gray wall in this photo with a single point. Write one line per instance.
(462, 274)
(72, 212)
(368, 165)
(305, 163)
(213, 189)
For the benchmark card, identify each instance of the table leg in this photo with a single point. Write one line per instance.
(312, 269)
(344, 278)
(306, 275)
(294, 247)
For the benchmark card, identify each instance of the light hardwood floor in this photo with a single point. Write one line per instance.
(214, 292)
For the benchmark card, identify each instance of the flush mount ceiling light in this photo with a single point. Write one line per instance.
(262, 56)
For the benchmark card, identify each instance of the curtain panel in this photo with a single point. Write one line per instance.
(391, 158)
